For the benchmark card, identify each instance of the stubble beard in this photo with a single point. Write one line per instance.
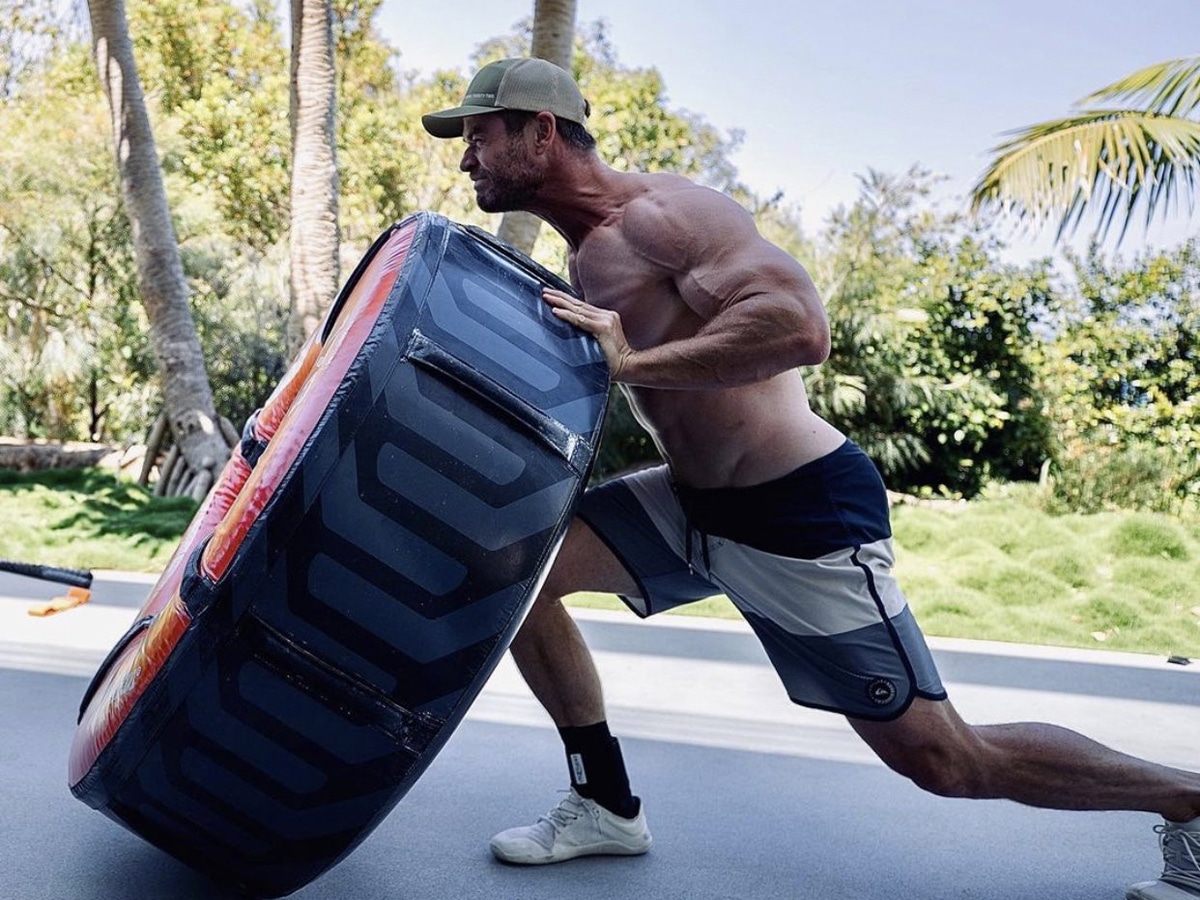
(510, 185)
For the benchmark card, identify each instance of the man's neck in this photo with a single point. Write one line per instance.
(582, 195)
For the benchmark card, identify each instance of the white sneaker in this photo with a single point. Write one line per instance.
(576, 827)
(1180, 842)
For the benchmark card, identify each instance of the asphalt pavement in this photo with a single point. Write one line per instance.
(747, 795)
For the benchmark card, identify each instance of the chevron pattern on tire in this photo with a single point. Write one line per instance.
(396, 536)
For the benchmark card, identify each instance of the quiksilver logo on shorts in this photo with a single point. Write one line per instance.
(881, 691)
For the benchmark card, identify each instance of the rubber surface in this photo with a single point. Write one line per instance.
(356, 573)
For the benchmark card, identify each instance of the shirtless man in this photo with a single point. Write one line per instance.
(703, 324)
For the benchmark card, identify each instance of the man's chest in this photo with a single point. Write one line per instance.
(612, 275)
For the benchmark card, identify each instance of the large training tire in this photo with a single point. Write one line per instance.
(358, 570)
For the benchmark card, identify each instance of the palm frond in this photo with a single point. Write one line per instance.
(1110, 162)
(1171, 88)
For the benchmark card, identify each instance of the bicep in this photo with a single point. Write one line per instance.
(748, 277)
(753, 295)
(735, 274)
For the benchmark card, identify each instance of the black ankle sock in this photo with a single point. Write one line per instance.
(597, 768)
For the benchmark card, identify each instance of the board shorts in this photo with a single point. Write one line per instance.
(807, 560)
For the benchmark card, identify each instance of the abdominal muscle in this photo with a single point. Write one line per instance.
(735, 437)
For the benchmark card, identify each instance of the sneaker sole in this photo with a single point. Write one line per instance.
(606, 849)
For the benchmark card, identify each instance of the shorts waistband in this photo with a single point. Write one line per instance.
(828, 504)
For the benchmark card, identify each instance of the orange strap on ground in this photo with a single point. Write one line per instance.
(75, 596)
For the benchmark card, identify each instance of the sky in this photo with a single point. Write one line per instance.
(824, 90)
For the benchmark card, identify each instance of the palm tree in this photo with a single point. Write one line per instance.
(553, 40)
(1133, 146)
(314, 195)
(201, 444)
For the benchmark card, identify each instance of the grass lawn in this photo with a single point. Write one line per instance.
(88, 519)
(996, 568)
(1003, 570)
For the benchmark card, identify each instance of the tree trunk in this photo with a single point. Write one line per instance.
(553, 40)
(187, 394)
(314, 202)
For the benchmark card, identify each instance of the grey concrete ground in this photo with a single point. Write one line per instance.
(748, 796)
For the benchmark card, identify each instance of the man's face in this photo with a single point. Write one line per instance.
(500, 165)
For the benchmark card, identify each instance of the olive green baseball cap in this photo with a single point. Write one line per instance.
(529, 84)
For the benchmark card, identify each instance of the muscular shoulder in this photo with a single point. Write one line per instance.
(675, 223)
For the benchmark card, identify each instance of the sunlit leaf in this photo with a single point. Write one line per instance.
(1112, 165)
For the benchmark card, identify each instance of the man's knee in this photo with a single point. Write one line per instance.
(944, 770)
(538, 619)
(934, 749)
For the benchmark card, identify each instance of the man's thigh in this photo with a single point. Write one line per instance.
(585, 563)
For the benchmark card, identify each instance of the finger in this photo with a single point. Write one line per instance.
(559, 298)
(574, 317)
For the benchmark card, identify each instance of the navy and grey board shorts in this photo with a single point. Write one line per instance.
(807, 560)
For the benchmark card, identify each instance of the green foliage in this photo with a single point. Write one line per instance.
(1093, 477)
(862, 267)
(241, 313)
(1131, 146)
(935, 360)
(219, 74)
(1134, 340)
(625, 444)
(1126, 374)
(951, 368)
(75, 360)
(980, 336)
(387, 163)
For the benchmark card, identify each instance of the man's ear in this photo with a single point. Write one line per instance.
(545, 127)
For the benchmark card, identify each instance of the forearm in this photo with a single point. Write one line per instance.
(741, 346)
